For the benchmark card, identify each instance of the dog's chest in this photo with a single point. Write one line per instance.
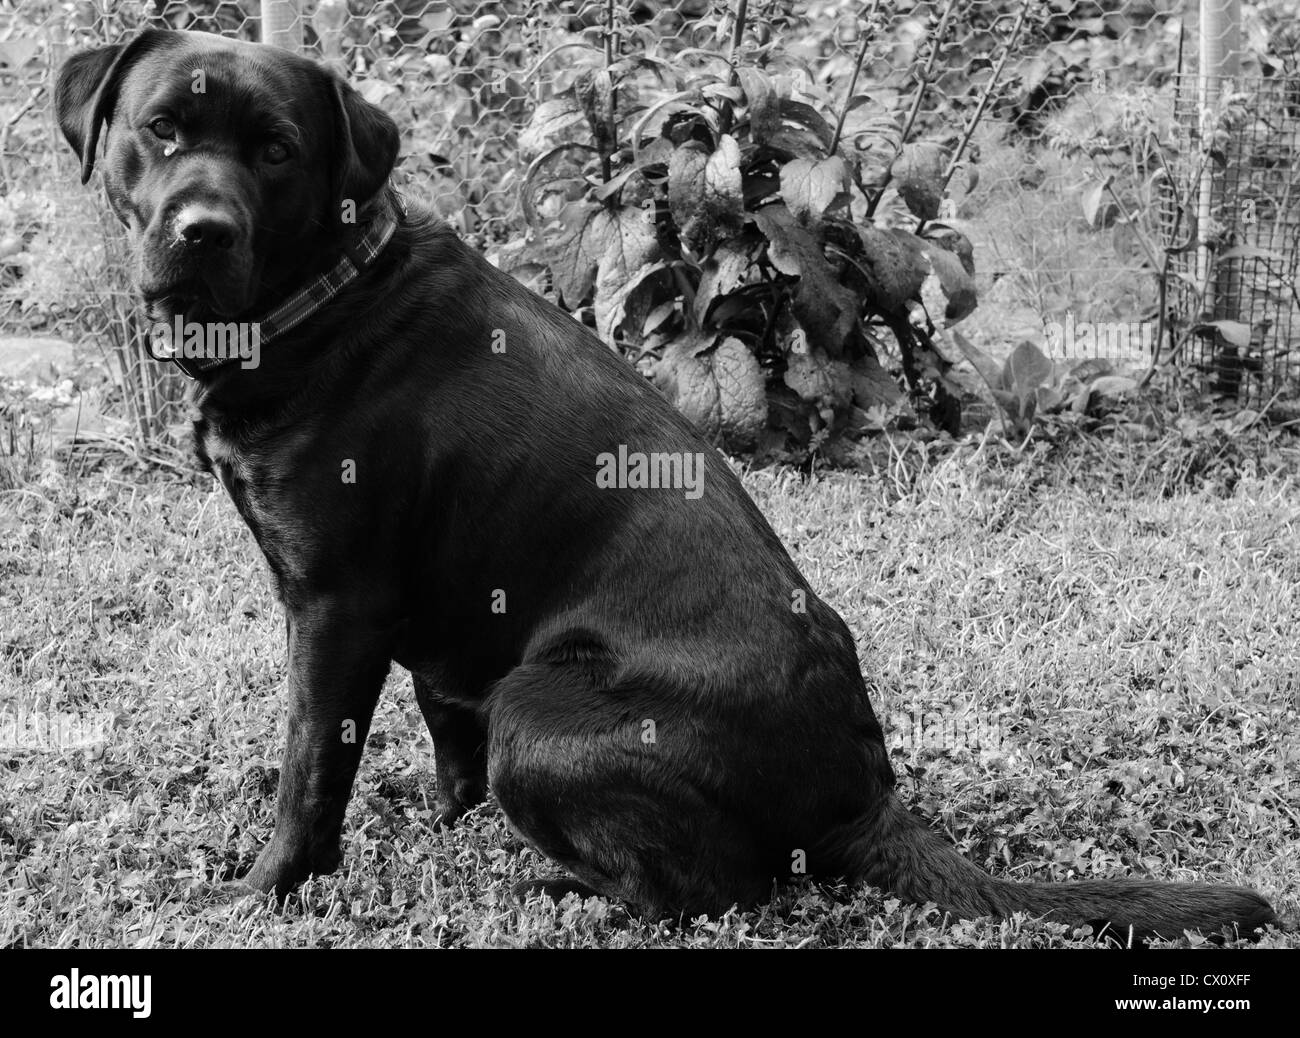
(219, 454)
(247, 484)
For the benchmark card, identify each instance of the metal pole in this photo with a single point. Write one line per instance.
(282, 24)
(328, 22)
(1220, 64)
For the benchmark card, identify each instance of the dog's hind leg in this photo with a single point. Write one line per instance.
(632, 818)
(459, 752)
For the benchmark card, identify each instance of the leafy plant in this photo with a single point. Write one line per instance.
(1029, 384)
(747, 240)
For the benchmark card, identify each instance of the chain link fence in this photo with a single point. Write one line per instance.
(1064, 187)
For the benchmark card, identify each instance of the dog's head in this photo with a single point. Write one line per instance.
(236, 167)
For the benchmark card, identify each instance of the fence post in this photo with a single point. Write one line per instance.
(328, 22)
(1219, 67)
(282, 24)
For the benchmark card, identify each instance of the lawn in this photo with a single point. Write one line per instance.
(1086, 657)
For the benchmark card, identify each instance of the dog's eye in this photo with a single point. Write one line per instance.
(276, 153)
(163, 129)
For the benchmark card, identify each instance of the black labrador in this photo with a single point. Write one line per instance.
(442, 470)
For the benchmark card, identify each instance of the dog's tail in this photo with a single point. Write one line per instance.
(900, 853)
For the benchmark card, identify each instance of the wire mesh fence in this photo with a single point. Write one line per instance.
(1079, 109)
(1236, 186)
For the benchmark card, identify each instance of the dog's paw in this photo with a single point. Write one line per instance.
(447, 811)
(450, 805)
(283, 864)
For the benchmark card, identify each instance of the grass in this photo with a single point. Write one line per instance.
(1116, 639)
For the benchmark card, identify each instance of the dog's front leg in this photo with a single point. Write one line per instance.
(460, 753)
(337, 666)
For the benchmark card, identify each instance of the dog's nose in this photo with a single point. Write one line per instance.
(199, 225)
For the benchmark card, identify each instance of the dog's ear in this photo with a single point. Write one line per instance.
(86, 92)
(365, 141)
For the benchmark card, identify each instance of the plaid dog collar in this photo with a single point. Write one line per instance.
(306, 301)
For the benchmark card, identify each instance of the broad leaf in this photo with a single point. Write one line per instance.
(629, 299)
(1008, 401)
(723, 273)
(872, 384)
(1091, 368)
(689, 384)
(594, 91)
(601, 247)
(947, 234)
(718, 388)
(1113, 385)
(797, 142)
(1251, 252)
(958, 287)
(1091, 200)
(623, 242)
(810, 187)
(827, 309)
(573, 269)
(686, 184)
(819, 380)
(989, 370)
(793, 249)
(896, 263)
(763, 105)
(552, 124)
(1047, 399)
(918, 176)
(704, 193)
(1234, 333)
(742, 393)
(722, 194)
(808, 117)
(1026, 369)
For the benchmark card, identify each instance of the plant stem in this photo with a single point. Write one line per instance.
(737, 36)
(606, 167)
(726, 111)
(1170, 249)
(609, 33)
(926, 75)
(985, 94)
(853, 82)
